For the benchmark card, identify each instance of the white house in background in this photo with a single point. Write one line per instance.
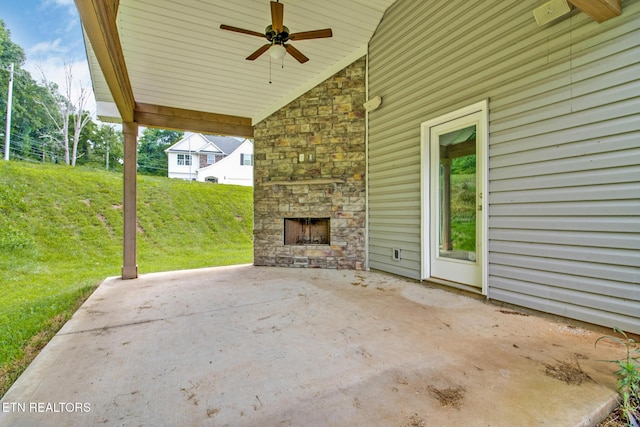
(209, 158)
(236, 168)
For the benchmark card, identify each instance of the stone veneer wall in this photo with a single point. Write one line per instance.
(327, 122)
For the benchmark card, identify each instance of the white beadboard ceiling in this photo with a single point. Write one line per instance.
(177, 56)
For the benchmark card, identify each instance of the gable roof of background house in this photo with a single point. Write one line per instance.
(198, 143)
(193, 143)
(226, 144)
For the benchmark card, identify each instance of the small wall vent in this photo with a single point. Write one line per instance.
(396, 254)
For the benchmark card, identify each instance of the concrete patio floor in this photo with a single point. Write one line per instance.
(266, 346)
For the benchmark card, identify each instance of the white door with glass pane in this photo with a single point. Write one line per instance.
(453, 186)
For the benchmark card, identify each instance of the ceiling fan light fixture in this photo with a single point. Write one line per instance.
(277, 51)
(278, 36)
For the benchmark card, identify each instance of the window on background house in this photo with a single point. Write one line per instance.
(211, 159)
(184, 160)
(246, 159)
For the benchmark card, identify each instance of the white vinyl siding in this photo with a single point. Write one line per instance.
(231, 169)
(564, 147)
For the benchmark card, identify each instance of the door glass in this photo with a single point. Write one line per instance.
(457, 216)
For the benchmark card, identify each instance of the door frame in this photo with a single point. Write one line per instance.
(425, 185)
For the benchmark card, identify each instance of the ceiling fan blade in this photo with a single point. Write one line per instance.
(277, 16)
(316, 34)
(259, 52)
(299, 56)
(241, 30)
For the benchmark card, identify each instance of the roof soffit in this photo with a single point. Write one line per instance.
(177, 56)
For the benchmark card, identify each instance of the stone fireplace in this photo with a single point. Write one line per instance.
(309, 178)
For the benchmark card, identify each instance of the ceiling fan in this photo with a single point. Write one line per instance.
(278, 35)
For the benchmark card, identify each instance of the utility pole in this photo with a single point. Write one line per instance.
(7, 133)
(109, 133)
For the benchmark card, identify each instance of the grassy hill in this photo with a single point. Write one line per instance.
(61, 235)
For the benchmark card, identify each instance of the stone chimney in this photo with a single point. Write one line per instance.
(310, 168)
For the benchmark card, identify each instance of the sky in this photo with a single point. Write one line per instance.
(50, 33)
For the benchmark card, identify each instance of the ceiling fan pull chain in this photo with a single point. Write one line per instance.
(269, 69)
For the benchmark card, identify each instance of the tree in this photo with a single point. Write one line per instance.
(152, 159)
(101, 146)
(48, 126)
(113, 145)
(464, 165)
(58, 114)
(80, 119)
(9, 51)
(30, 123)
(69, 112)
(85, 153)
(29, 119)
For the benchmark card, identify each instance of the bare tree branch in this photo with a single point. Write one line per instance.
(64, 108)
(69, 110)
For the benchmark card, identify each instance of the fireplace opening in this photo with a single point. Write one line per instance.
(306, 231)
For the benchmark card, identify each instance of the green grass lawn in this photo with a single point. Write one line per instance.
(61, 235)
(463, 212)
